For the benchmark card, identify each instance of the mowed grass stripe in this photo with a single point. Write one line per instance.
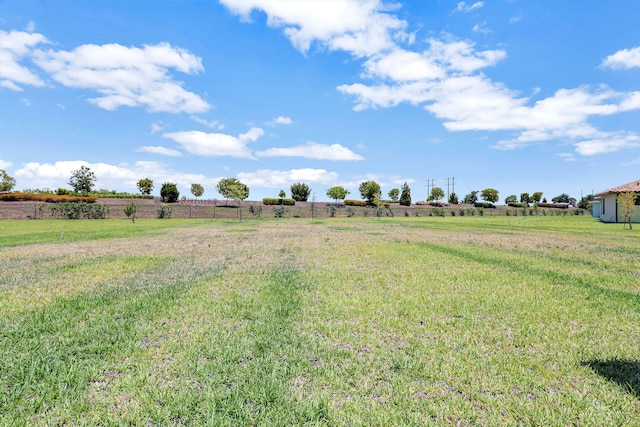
(50, 355)
(230, 355)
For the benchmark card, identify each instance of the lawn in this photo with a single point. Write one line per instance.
(340, 321)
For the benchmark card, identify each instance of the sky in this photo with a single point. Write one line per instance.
(520, 96)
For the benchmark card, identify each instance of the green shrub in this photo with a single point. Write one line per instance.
(350, 211)
(351, 202)
(77, 210)
(164, 211)
(255, 210)
(271, 201)
(332, 211)
(279, 211)
(484, 205)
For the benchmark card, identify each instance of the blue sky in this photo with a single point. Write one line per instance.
(520, 96)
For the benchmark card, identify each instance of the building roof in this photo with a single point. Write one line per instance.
(631, 186)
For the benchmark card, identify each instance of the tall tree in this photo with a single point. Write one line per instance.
(453, 199)
(627, 206)
(525, 199)
(226, 187)
(437, 193)
(369, 190)
(405, 195)
(489, 195)
(169, 192)
(6, 182)
(536, 197)
(394, 193)
(562, 198)
(197, 190)
(145, 186)
(300, 192)
(337, 193)
(238, 192)
(510, 199)
(471, 198)
(82, 180)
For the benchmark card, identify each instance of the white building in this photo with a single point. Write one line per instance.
(609, 205)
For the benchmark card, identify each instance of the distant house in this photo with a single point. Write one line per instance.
(607, 206)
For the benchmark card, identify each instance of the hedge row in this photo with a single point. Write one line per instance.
(488, 205)
(351, 202)
(553, 205)
(275, 201)
(45, 198)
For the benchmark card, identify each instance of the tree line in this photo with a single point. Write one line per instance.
(83, 180)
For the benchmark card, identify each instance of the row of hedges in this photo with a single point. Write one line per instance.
(275, 201)
(553, 205)
(77, 210)
(45, 198)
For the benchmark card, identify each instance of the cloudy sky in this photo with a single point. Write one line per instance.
(517, 95)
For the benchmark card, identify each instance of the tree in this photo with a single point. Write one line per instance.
(586, 201)
(130, 211)
(453, 199)
(337, 193)
(471, 198)
(238, 192)
(510, 199)
(394, 193)
(369, 190)
(145, 186)
(6, 182)
(536, 197)
(562, 198)
(282, 194)
(627, 206)
(169, 192)
(405, 195)
(525, 199)
(226, 187)
(82, 180)
(197, 190)
(489, 195)
(300, 192)
(437, 193)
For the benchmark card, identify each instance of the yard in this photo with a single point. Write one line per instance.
(334, 321)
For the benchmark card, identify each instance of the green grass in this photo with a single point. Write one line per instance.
(348, 321)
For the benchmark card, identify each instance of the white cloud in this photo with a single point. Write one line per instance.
(163, 151)
(5, 164)
(462, 6)
(127, 76)
(280, 120)
(14, 47)
(213, 124)
(124, 176)
(312, 150)
(481, 28)
(623, 59)
(361, 27)
(402, 65)
(216, 144)
(157, 127)
(25, 102)
(281, 179)
(607, 142)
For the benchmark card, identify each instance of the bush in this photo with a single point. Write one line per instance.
(350, 211)
(279, 211)
(515, 204)
(273, 201)
(77, 210)
(351, 202)
(484, 205)
(255, 210)
(553, 205)
(169, 192)
(164, 212)
(45, 197)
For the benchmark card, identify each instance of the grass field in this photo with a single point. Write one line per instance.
(341, 321)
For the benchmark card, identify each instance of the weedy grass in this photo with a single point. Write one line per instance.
(348, 321)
